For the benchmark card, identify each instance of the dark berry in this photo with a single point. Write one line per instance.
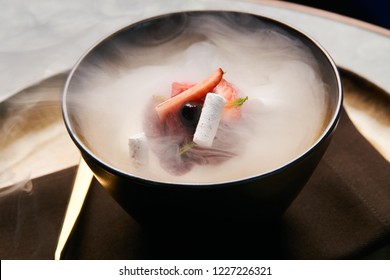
(189, 114)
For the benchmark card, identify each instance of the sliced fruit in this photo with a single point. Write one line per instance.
(194, 93)
(226, 90)
(189, 114)
(232, 110)
(178, 88)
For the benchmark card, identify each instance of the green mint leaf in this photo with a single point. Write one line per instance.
(237, 102)
(185, 148)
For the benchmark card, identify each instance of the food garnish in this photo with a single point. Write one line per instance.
(236, 102)
(185, 148)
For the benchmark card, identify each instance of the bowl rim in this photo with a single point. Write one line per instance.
(327, 131)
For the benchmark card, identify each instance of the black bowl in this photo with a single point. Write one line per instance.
(262, 197)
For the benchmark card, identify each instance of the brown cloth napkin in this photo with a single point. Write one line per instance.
(342, 213)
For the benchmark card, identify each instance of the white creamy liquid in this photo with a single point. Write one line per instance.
(287, 100)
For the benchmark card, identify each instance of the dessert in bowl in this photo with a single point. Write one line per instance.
(203, 117)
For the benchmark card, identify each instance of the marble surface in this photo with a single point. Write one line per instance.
(41, 40)
(44, 38)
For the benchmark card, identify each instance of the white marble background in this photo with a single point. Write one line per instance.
(40, 38)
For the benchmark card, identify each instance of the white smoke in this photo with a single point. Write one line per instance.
(263, 63)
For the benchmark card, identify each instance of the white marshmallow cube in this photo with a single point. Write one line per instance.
(138, 150)
(209, 120)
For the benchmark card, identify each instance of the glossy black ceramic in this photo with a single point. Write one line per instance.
(249, 200)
